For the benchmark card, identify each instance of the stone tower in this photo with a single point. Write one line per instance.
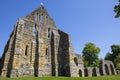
(37, 48)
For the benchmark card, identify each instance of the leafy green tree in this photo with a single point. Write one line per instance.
(90, 55)
(108, 56)
(114, 55)
(115, 50)
(117, 62)
(117, 9)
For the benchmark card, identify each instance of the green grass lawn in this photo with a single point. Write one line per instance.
(113, 77)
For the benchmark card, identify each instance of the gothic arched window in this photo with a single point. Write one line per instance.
(42, 18)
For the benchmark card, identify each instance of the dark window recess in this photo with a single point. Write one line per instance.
(26, 50)
(48, 32)
(35, 30)
(46, 51)
(46, 20)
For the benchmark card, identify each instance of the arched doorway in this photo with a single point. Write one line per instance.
(106, 69)
(111, 68)
(94, 72)
(86, 72)
(80, 73)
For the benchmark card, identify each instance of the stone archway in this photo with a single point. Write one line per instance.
(86, 72)
(112, 70)
(106, 69)
(76, 61)
(80, 73)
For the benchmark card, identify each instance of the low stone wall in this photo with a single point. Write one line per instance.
(88, 72)
(96, 71)
(107, 68)
(118, 71)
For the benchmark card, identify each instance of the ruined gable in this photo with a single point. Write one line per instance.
(41, 16)
(37, 48)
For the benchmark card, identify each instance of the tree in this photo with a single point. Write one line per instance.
(115, 51)
(90, 55)
(117, 9)
(108, 56)
(117, 62)
(114, 55)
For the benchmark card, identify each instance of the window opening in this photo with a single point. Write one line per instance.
(36, 17)
(46, 51)
(35, 30)
(46, 20)
(26, 50)
(46, 54)
(48, 32)
(41, 18)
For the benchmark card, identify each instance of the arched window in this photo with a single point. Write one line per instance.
(48, 32)
(42, 18)
(76, 61)
(36, 17)
(26, 50)
(46, 20)
(35, 30)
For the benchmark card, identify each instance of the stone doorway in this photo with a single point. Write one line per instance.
(112, 70)
(106, 69)
(80, 73)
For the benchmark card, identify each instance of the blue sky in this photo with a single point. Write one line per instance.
(85, 20)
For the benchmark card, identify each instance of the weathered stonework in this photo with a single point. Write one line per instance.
(96, 71)
(118, 71)
(107, 68)
(37, 48)
(88, 71)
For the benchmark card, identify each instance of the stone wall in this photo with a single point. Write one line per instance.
(7, 57)
(88, 71)
(107, 68)
(79, 64)
(37, 48)
(118, 71)
(28, 51)
(96, 71)
(64, 57)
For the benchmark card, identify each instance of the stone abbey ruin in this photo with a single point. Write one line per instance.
(37, 48)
